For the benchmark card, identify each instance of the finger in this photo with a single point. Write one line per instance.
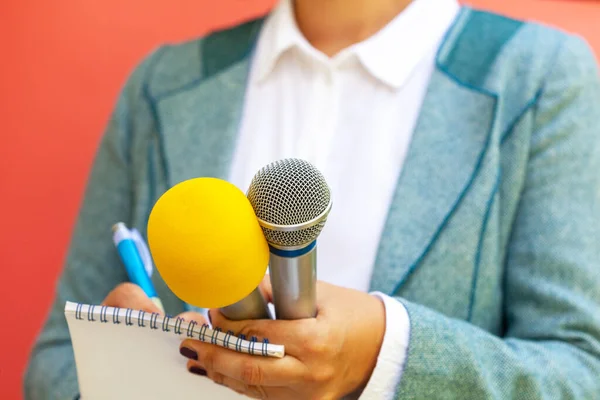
(266, 288)
(233, 384)
(293, 334)
(254, 392)
(193, 316)
(251, 370)
(129, 295)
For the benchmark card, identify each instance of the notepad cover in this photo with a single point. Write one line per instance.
(127, 361)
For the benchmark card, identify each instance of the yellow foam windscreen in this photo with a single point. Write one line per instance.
(206, 242)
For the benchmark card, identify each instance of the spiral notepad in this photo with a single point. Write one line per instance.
(129, 354)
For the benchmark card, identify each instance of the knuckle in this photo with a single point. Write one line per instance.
(324, 396)
(207, 359)
(257, 393)
(311, 340)
(251, 331)
(325, 343)
(316, 347)
(126, 287)
(318, 344)
(251, 373)
(118, 297)
(218, 378)
(322, 375)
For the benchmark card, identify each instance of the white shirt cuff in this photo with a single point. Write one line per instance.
(390, 362)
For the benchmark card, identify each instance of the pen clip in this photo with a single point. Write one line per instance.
(143, 251)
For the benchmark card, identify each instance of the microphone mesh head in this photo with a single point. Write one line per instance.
(290, 192)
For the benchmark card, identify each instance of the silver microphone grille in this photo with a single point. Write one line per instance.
(291, 200)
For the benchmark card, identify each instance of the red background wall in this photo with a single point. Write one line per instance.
(62, 64)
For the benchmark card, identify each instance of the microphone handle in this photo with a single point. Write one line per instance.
(294, 280)
(253, 306)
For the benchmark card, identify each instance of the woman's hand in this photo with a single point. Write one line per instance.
(129, 295)
(327, 357)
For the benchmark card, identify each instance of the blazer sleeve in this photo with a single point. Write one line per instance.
(92, 267)
(550, 348)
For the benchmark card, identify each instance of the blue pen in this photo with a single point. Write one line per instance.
(136, 258)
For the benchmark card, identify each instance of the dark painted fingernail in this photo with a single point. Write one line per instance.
(189, 353)
(197, 371)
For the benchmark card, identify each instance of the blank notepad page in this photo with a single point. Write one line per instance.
(126, 354)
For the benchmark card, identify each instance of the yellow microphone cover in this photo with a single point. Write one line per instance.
(206, 242)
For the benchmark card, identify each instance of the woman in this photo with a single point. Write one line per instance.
(462, 149)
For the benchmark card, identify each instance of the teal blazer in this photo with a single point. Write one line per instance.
(492, 241)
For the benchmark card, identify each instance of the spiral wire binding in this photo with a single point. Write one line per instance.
(176, 326)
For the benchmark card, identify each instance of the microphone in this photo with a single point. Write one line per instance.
(209, 248)
(291, 200)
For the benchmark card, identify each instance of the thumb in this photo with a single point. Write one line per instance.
(129, 295)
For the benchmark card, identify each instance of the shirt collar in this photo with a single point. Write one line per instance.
(280, 33)
(390, 55)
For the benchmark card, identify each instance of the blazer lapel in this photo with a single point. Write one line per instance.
(447, 149)
(200, 120)
(200, 125)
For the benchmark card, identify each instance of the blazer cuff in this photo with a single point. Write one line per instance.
(390, 362)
